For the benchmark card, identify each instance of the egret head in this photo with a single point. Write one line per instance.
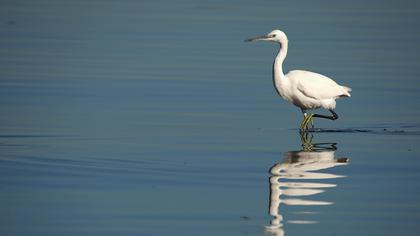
(275, 36)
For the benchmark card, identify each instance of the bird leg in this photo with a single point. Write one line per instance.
(311, 122)
(302, 124)
(333, 117)
(306, 120)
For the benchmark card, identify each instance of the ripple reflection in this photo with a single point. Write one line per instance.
(291, 180)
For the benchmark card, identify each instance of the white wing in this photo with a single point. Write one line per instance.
(317, 86)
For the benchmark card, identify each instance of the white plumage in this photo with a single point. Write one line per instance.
(305, 89)
(313, 90)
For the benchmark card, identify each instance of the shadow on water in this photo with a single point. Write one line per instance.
(292, 180)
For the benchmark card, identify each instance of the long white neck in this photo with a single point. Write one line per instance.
(278, 76)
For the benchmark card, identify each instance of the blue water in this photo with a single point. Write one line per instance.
(155, 118)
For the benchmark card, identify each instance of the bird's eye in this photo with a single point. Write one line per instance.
(273, 35)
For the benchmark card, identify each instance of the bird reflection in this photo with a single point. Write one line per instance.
(291, 180)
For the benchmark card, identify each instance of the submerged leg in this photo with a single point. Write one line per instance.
(306, 139)
(308, 145)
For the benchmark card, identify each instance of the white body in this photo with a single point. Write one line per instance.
(305, 89)
(309, 90)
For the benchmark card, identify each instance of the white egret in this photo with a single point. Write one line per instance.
(306, 90)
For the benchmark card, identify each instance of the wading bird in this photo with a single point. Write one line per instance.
(306, 90)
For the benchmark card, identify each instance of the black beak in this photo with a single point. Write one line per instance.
(257, 38)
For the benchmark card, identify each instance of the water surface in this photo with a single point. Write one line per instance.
(155, 118)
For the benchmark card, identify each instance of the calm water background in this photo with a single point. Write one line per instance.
(155, 118)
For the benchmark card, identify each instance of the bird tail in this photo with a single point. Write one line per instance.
(346, 91)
